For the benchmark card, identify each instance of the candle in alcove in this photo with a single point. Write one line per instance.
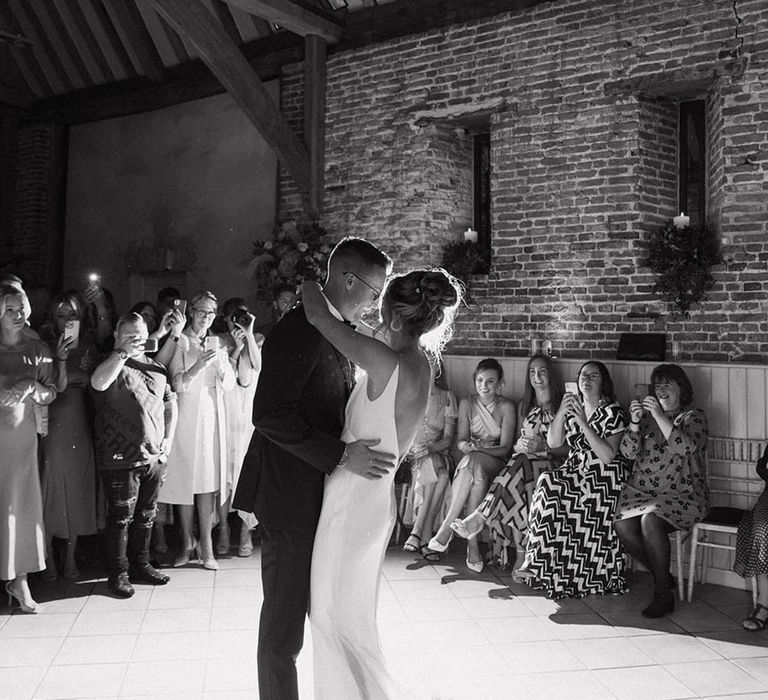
(470, 235)
(681, 221)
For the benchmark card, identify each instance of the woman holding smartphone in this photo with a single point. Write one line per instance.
(242, 348)
(69, 468)
(201, 373)
(667, 491)
(572, 548)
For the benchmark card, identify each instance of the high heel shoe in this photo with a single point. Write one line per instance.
(437, 546)
(27, 606)
(223, 543)
(661, 604)
(208, 562)
(184, 558)
(461, 529)
(476, 566)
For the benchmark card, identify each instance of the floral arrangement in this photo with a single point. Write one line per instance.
(298, 252)
(464, 259)
(682, 258)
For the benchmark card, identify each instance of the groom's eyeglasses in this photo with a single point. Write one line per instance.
(376, 292)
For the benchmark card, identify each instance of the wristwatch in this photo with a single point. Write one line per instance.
(122, 354)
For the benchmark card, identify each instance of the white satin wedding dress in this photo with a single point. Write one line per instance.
(355, 526)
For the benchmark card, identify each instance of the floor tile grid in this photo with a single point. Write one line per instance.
(565, 630)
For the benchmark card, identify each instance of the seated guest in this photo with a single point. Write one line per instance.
(505, 507)
(135, 424)
(667, 489)
(431, 460)
(572, 548)
(486, 431)
(752, 551)
(26, 379)
(69, 470)
(242, 348)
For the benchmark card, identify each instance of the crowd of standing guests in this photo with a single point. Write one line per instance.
(165, 389)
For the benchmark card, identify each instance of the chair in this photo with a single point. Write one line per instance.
(680, 536)
(718, 519)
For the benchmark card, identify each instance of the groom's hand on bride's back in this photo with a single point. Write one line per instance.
(363, 460)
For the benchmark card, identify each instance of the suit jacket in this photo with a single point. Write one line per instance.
(298, 415)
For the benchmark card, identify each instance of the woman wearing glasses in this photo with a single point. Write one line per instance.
(572, 548)
(201, 373)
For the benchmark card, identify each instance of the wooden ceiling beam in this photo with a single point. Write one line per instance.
(61, 43)
(86, 38)
(227, 20)
(293, 17)
(53, 72)
(212, 43)
(22, 56)
(16, 97)
(135, 37)
(94, 14)
(83, 45)
(183, 83)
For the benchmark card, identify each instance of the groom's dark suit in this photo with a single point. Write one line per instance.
(298, 413)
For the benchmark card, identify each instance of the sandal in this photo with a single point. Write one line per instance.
(428, 554)
(755, 623)
(522, 575)
(461, 529)
(412, 544)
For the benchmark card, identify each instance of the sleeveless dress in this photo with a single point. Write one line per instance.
(355, 525)
(486, 430)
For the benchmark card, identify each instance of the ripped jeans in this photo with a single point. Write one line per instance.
(131, 496)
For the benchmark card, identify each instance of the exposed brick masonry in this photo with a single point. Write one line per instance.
(580, 171)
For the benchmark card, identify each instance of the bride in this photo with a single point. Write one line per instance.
(388, 404)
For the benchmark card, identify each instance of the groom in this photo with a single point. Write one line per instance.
(298, 413)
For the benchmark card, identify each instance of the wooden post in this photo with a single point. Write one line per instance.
(314, 116)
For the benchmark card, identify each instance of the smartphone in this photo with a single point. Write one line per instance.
(211, 342)
(93, 279)
(72, 330)
(181, 305)
(571, 388)
(150, 345)
(643, 390)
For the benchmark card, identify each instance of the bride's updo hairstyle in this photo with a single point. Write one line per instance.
(425, 302)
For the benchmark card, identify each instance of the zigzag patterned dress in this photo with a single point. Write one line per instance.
(572, 547)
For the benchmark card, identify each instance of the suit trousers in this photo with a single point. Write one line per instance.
(286, 557)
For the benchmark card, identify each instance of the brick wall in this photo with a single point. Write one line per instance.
(37, 218)
(576, 178)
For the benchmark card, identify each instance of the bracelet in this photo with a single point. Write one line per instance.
(344, 459)
(634, 422)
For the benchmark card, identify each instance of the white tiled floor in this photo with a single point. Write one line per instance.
(449, 635)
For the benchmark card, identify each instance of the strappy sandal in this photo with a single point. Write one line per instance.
(753, 619)
(428, 554)
(412, 544)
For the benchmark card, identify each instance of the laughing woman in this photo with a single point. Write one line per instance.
(668, 490)
(572, 547)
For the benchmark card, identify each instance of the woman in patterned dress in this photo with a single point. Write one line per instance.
(572, 548)
(504, 509)
(486, 431)
(667, 490)
(752, 550)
